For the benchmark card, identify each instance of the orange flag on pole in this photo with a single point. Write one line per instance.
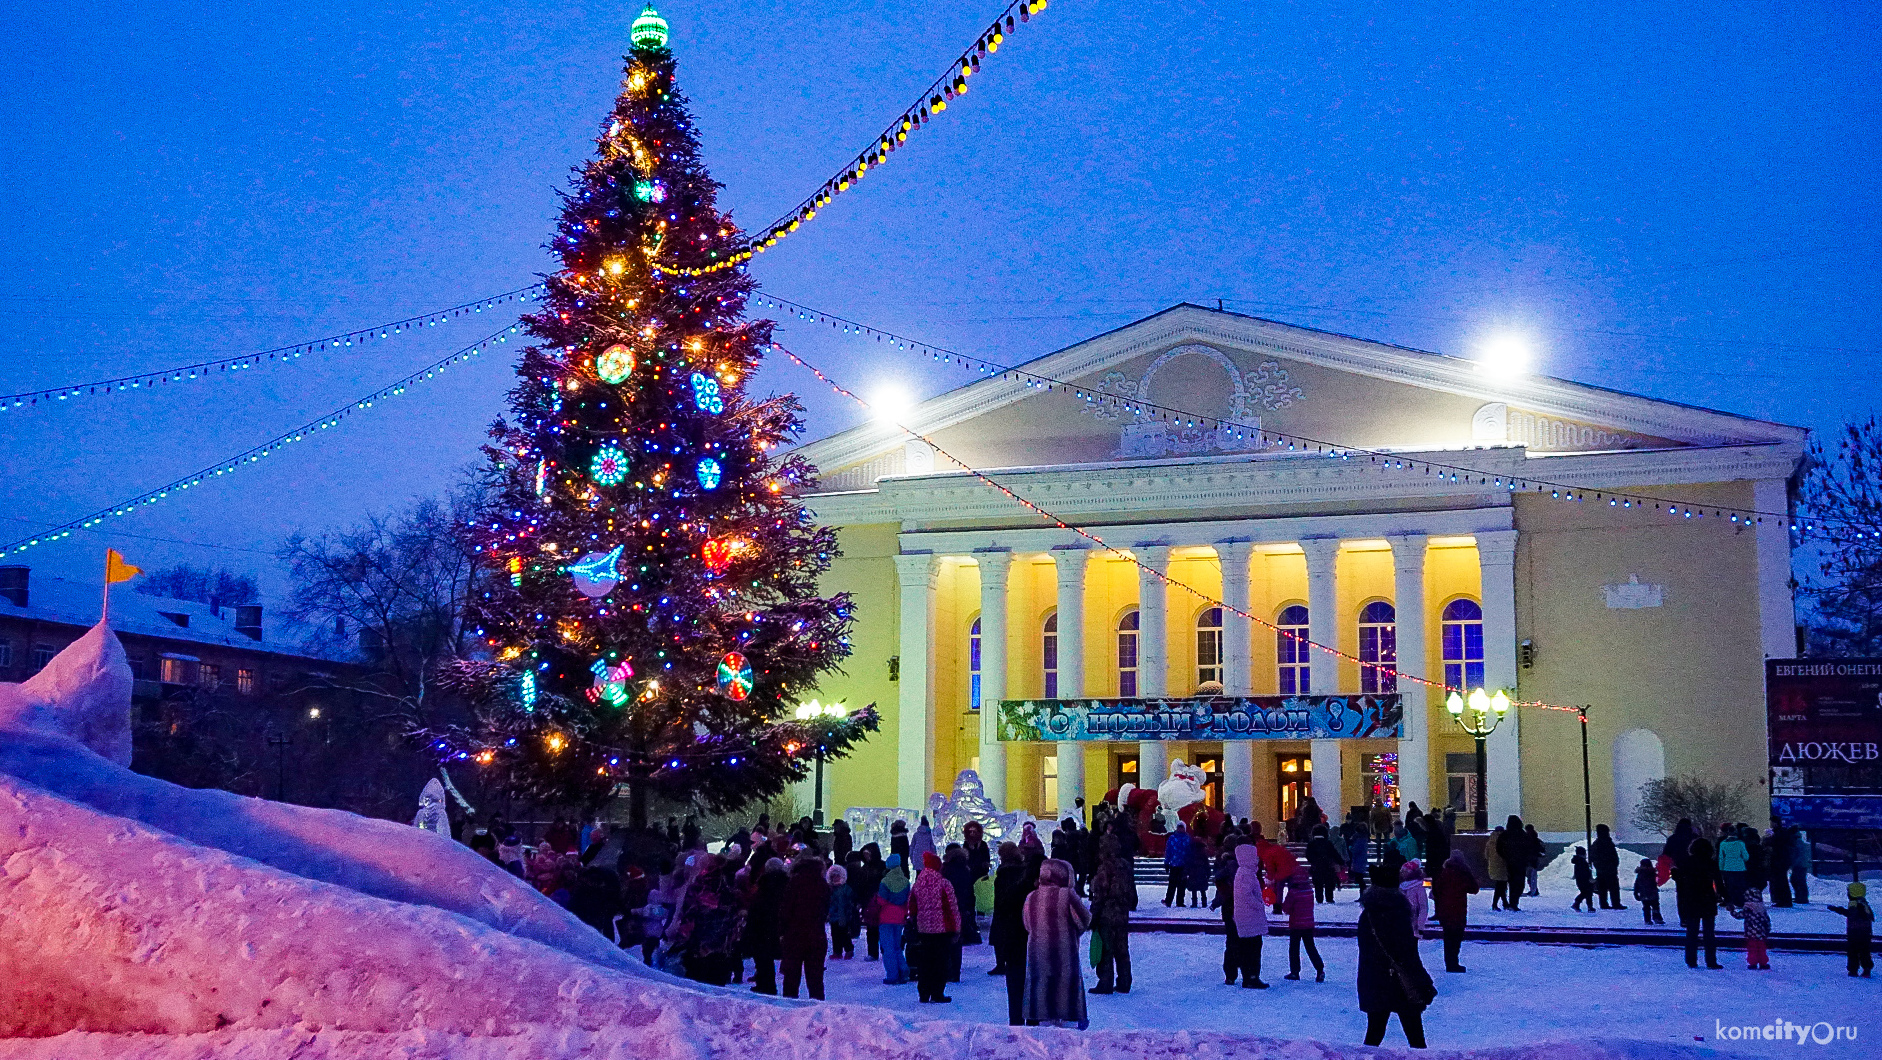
(116, 570)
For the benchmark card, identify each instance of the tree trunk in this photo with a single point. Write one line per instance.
(637, 804)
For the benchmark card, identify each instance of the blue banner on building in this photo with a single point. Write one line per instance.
(1213, 718)
(1825, 725)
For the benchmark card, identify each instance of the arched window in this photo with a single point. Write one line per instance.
(1049, 655)
(1296, 674)
(1127, 656)
(1463, 644)
(1378, 643)
(1209, 645)
(973, 665)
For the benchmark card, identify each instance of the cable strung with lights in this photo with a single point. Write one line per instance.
(932, 102)
(280, 354)
(1387, 461)
(1124, 554)
(652, 617)
(259, 452)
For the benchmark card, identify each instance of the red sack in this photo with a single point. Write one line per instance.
(1663, 869)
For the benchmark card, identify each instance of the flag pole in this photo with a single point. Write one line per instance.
(104, 613)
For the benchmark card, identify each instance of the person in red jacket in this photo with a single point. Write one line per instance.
(1277, 862)
(1451, 889)
(1298, 903)
(801, 917)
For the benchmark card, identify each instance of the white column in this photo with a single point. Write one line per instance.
(1323, 628)
(914, 747)
(1238, 678)
(1153, 653)
(1777, 614)
(1071, 564)
(1496, 554)
(1408, 601)
(995, 572)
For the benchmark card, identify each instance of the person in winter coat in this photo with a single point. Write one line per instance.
(763, 927)
(1514, 846)
(1415, 827)
(1175, 854)
(1777, 858)
(1277, 864)
(866, 875)
(1605, 858)
(1497, 869)
(1029, 837)
(1411, 882)
(801, 917)
(596, 900)
(842, 914)
(1323, 864)
(1859, 929)
(920, 845)
(1249, 914)
(1800, 867)
(841, 842)
(1113, 897)
(1392, 978)
(1734, 865)
(1696, 889)
(1533, 844)
(1757, 930)
(1299, 904)
(1584, 881)
(1379, 818)
(1196, 872)
(1359, 851)
(1054, 917)
(974, 845)
(1647, 892)
(1225, 901)
(959, 874)
(892, 916)
(562, 837)
(1451, 889)
(1011, 885)
(705, 931)
(935, 913)
(1438, 832)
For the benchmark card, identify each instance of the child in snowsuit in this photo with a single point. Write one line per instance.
(1757, 929)
(1861, 929)
(1647, 892)
(1584, 880)
(844, 915)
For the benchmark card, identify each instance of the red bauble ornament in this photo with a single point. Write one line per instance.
(717, 555)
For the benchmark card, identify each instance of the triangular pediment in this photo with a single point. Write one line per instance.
(1236, 381)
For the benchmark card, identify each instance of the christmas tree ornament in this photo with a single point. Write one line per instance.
(716, 554)
(526, 691)
(597, 573)
(615, 364)
(709, 473)
(649, 30)
(734, 677)
(542, 476)
(706, 393)
(611, 680)
(650, 191)
(516, 572)
(609, 467)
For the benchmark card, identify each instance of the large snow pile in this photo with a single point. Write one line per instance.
(141, 920)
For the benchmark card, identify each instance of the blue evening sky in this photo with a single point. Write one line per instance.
(1674, 198)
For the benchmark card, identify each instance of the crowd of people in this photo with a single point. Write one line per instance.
(770, 906)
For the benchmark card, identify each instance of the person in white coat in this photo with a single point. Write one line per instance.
(1250, 914)
(1411, 883)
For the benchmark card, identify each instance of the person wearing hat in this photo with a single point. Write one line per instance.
(1861, 929)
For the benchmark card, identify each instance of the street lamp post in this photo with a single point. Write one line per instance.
(820, 719)
(1485, 713)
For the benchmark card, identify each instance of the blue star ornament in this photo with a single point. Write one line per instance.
(595, 574)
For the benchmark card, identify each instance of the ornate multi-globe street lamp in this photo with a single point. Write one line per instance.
(1479, 715)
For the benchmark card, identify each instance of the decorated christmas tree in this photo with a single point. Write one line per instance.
(654, 614)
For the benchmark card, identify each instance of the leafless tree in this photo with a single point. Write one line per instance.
(1840, 509)
(1708, 804)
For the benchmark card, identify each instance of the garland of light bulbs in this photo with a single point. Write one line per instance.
(933, 101)
(1300, 443)
(1123, 554)
(281, 354)
(255, 454)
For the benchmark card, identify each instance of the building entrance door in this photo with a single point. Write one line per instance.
(1295, 773)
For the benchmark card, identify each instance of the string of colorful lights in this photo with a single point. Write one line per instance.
(1126, 556)
(256, 453)
(932, 102)
(280, 354)
(1300, 443)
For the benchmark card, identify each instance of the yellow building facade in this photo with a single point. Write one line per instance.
(1506, 534)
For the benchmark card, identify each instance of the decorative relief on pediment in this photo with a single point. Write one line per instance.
(1149, 434)
(1634, 595)
(1498, 423)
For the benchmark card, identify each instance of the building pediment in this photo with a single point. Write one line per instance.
(1195, 383)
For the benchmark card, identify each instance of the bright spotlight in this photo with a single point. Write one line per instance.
(1504, 356)
(889, 403)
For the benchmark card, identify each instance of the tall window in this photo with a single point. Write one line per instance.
(973, 666)
(1296, 675)
(1378, 643)
(1209, 645)
(1049, 654)
(1463, 644)
(1127, 656)
(245, 681)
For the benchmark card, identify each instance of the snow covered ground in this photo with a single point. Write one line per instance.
(141, 921)
(1514, 993)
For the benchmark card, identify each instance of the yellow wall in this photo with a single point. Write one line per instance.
(866, 569)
